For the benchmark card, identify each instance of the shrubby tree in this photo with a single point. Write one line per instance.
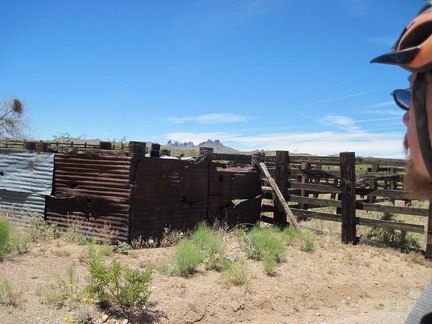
(13, 120)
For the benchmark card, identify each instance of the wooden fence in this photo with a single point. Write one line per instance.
(63, 147)
(341, 183)
(344, 184)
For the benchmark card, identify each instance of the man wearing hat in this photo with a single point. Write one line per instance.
(413, 52)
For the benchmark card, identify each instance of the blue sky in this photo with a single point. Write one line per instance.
(261, 74)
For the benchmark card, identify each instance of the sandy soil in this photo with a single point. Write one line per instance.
(335, 284)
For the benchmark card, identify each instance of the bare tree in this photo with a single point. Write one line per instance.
(13, 120)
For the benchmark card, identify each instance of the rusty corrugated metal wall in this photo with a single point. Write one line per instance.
(25, 179)
(168, 194)
(92, 189)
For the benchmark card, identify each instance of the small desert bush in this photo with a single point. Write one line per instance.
(184, 260)
(307, 241)
(140, 243)
(20, 240)
(5, 236)
(210, 245)
(74, 235)
(13, 238)
(39, 229)
(236, 273)
(290, 235)
(265, 244)
(123, 247)
(394, 238)
(85, 313)
(118, 284)
(171, 237)
(9, 296)
(201, 247)
(63, 291)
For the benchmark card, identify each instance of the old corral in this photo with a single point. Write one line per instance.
(133, 195)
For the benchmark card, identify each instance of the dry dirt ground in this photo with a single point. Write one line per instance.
(335, 284)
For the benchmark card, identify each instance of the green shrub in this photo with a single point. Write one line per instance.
(73, 235)
(20, 241)
(104, 250)
(118, 284)
(5, 235)
(187, 257)
(123, 247)
(210, 245)
(39, 229)
(290, 235)
(307, 242)
(269, 262)
(394, 238)
(236, 274)
(8, 295)
(265, 243)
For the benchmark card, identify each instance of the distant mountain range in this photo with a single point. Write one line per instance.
(216, 145)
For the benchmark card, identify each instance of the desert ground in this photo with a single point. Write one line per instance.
(336, 283)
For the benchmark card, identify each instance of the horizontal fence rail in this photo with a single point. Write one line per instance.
(336, 188)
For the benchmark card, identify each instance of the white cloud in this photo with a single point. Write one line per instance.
(383, 104)
(388, 145)
(331, 99)
(211, 119)
(197, 138)
(340, 122)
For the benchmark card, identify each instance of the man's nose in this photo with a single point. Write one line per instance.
(405, 118)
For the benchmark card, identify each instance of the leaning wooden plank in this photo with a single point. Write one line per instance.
(280, 197)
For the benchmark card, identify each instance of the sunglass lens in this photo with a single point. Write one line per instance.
(403, 98)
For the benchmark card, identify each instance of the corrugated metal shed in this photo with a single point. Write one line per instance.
(168, 193)
(121, 196)
(92, 189)
(25, 179)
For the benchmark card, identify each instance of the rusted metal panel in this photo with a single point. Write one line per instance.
(235, 195)
(92, 188)
(168, 193)
(234, 183)
(233, 212)
(25, 179)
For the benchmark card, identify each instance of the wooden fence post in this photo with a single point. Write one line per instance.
(281, 178)
(30, 146)
(104, 145)
(205, 154)
(373, 184)
(304, 179)
(348, 197)
(154, 151)
(429, 233)
(41, 147)
(137, 148)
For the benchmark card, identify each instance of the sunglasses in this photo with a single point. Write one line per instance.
(402, 98)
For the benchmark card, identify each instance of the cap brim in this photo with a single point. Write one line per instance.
(397, 58)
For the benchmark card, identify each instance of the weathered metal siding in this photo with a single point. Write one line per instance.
(235, 195)
(25, 179)
(168, 193)
(92, 189)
